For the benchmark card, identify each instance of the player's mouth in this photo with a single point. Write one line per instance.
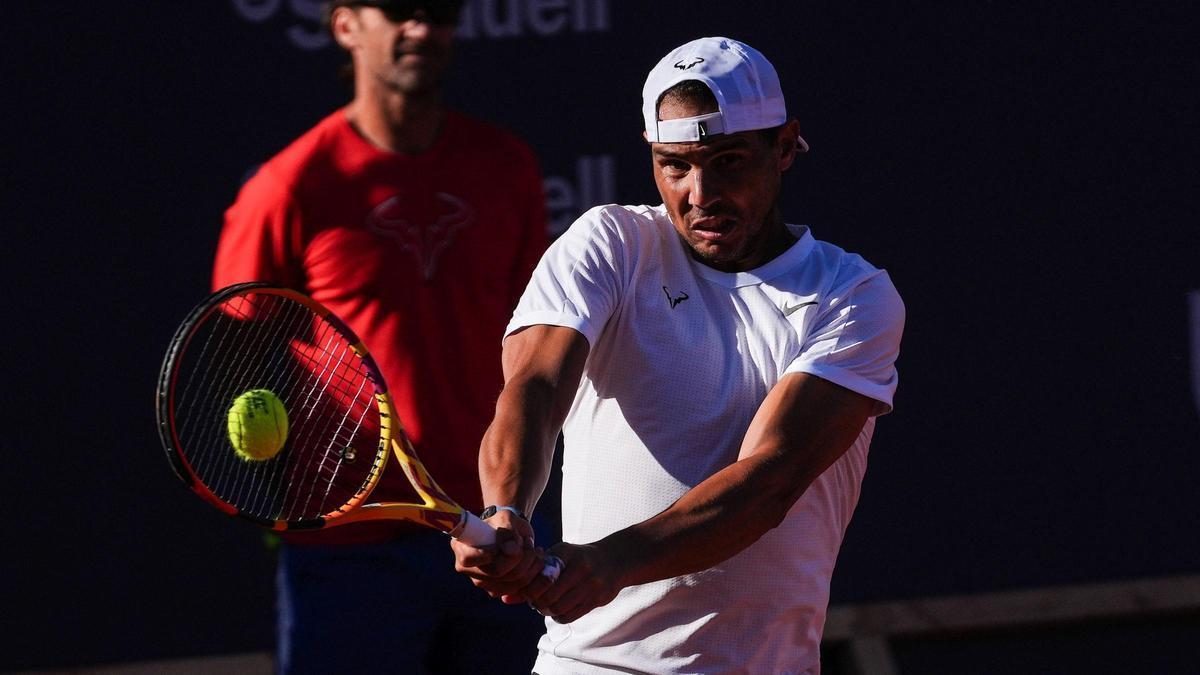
(712, 228)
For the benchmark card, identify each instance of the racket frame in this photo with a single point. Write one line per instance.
(436, 508)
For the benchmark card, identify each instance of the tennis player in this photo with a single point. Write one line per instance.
(403, 217)
(717, 374)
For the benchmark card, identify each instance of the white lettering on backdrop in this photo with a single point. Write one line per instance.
(481, 19)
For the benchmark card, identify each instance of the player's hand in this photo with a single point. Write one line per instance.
(591, 579)
(505, 567)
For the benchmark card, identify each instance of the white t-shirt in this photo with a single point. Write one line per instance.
(682, 355)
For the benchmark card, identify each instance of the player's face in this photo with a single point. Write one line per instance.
(721, 194)
(403, 54)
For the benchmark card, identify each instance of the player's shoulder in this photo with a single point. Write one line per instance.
(831, 258)
(626, 222)
(830, 269)
(847, 274)
(611, 231)
(626, 216)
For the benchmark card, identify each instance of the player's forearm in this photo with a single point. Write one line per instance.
(801, 428)
(515, 457)
(542, 368)
(714, 521)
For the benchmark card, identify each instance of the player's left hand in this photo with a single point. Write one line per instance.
(591, 579)
(505, 567)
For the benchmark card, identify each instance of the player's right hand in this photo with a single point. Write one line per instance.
(507, 566)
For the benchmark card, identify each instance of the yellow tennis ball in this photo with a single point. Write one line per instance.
(258, 425)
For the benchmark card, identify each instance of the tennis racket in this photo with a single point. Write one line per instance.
(341, 424)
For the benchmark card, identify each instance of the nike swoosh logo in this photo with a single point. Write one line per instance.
(788, 310)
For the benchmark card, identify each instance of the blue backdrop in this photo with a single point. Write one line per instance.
(1021, 170)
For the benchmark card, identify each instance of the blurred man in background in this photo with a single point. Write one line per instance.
(419, 227)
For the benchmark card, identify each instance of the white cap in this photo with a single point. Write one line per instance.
(743, 81)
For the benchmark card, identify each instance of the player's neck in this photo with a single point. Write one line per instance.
(398, 122)
(773, 241)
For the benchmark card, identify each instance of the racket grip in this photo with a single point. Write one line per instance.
(474, 531)
(477, 533)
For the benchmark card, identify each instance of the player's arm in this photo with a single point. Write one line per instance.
(542, 368)
(802, 427)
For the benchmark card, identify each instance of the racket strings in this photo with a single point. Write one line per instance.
(341, 450)
(255, 363)
(265, 340)
(317, 386)
(233, 327)
(293, 377)
(219, 343)
(185, 401)
(331, 355)
(259, 493)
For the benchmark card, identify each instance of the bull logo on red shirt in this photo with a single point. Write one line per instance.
(424, 232)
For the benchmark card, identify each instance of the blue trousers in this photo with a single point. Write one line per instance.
(397, 607)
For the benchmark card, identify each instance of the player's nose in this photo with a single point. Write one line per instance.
(704, 190)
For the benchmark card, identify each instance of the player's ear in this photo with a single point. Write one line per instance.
(345, 24)
(787, 143)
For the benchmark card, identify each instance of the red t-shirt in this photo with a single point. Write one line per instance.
(424, 256)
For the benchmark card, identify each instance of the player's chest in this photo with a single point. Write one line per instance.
(755, 329)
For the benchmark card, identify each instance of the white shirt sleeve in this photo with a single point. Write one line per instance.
(578, 282)
(855, 341)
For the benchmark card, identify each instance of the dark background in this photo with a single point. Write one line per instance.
(1024, 171)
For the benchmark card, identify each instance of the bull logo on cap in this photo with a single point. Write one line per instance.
(691, 64)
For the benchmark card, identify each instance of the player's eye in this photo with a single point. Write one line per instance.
(673, 166)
